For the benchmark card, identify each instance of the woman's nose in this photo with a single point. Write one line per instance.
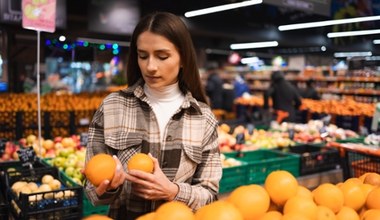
(151, 65)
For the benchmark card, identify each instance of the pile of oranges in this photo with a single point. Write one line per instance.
(282, 198)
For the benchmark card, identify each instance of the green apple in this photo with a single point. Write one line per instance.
(59, 161)
(77, 181)
(78, 174)
(69, 171)
(70, 162)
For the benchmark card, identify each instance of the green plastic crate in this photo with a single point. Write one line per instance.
(261, 162)
(233, 177)
(358, 140)
(88, 208)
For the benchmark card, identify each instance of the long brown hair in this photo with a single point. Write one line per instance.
(174, 29)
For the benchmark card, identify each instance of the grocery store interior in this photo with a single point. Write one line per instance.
(328, 141)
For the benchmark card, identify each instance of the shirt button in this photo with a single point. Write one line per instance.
(169, 138)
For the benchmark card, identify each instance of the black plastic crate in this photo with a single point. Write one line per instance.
(314, 158)
(347, 122)
(361, 162)
(4, 208)
(15, 165)
(64, 203)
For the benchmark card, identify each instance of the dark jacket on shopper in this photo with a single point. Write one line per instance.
(284, 96)
(214, 90)
(310, 92)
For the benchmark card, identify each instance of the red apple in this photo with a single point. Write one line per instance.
(58, 139)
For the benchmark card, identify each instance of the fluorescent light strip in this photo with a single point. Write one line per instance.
(353, 54)
(376, 41)
(352, 33)
(254, 45)
(326, 23)
(247, 60)
(221, 8)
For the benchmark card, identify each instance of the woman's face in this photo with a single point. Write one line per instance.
(158, 59)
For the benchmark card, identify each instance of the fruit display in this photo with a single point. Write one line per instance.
(229, 162)
(10, 151)
(282, 197)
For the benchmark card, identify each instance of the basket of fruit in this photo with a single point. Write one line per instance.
(40, 194)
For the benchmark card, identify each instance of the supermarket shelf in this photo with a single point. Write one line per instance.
(318, 78)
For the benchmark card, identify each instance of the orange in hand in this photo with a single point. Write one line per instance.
(141, 161)
(99, 168)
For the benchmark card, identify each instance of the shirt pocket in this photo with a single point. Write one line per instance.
(123, 140)
(193, 152)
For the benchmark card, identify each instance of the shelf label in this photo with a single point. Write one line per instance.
(27, 156)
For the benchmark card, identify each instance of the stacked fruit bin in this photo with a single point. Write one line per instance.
(58, 202)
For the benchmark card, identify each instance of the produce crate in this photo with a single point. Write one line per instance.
(314, 158)
(347, 122)
(360, 162)
(261, 162)
(4, 207)
(88, 208)
(233, 177)
(16, 165)
(64, 203)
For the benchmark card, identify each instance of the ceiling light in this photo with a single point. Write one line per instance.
(323, 48)
(221, 8)
(326, 23)
(352, 33)
(254, 45)
(62, 38)
(352, 54)
(376, 41)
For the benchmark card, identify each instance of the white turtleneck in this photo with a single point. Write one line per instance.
(165, 102)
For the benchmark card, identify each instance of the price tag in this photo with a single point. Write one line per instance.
(291, 133)
(83, 139)
(27, 156)
(2, 146)
(250, 128)
(240, 139)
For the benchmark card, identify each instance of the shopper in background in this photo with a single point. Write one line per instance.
(310, 92)
(214, 86)
(163, 112)
(285, 97)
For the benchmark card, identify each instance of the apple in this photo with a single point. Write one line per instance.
(70, 162)
(22, 142)
(59, 161)
(47, 178)
(55, 184)
(69, 171)
(31, 139)
(65, 152)
(48, 144)
(58, 145)
(78, 174)
(77, 181)
(58, 139)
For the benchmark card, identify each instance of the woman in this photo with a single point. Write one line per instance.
(163, 112)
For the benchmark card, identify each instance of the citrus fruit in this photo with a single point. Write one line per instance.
(353, 194)
(324, 213)
(373, 179)
(373, 201)
(221, 210)
(142, 162)
(97, 217)
(271, 215)
(371, 214)
(301, 205)
(329, 195)
(304, 192)
(347, 213)
(251, 200)
(99, 168)
(174, 210)
(281, 185)
(294, 216)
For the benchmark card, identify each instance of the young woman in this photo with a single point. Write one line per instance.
(163, 112)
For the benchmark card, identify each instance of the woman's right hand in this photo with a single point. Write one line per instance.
(117, 180)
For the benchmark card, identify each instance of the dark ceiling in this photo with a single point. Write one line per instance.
(249, 24)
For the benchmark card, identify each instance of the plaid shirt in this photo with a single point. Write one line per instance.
(125, 124)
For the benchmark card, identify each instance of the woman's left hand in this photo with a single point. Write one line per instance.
(152, 186)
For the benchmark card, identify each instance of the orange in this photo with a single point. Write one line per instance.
(324, 213)
(304, 192)
(294, 216)
(225, 127)
(353, 180)
(97, 217)
(347, 213)
(301, 205)
(141, 161)
(174, 210)
(148, 216)
(366, 188)
(373, 201)
(221, 210)
(99, 168)
(252, 201)
(373, 179)
(281, 185)
(371, 214)
(353, 194)
(271, 215)
(363, 176)
(330, 196)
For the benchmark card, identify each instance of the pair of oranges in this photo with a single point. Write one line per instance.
(102, 166)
